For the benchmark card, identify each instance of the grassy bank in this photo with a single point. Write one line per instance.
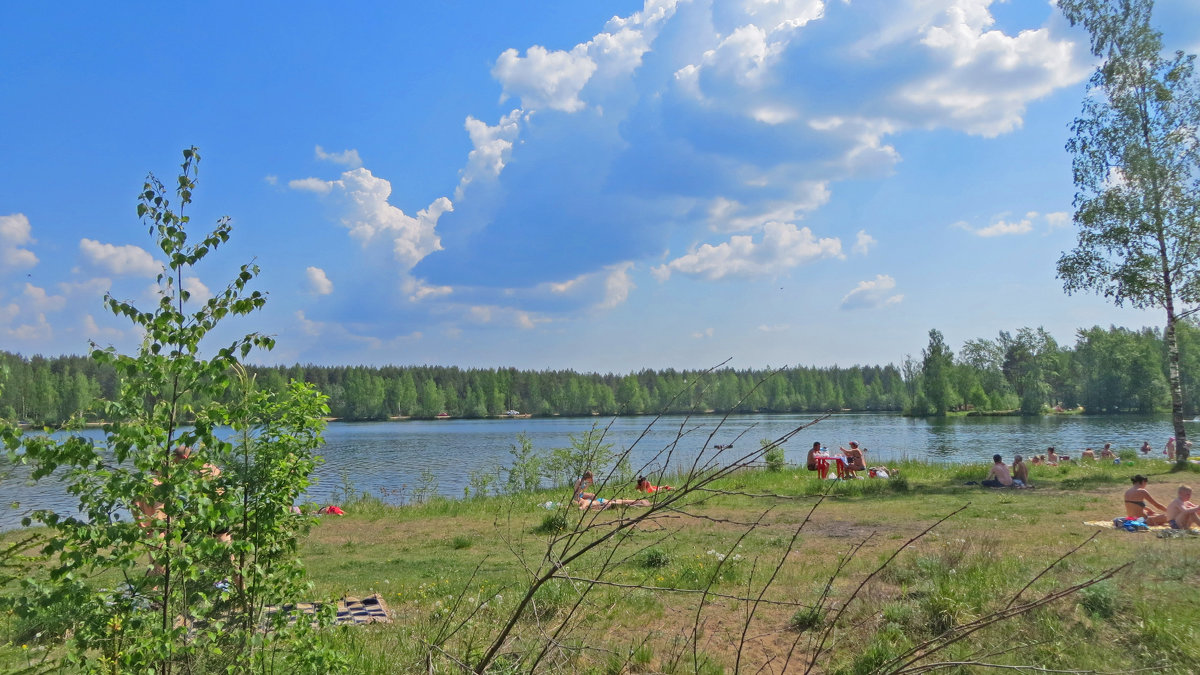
(674, 598)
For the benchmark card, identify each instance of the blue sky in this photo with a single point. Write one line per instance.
(604, 186)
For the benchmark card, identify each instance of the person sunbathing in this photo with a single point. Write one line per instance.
(1136, 498)
(1020, 472)
(600, 503)
(1181, 512)
(1106, 452)
(643, 485)
(1051, 456)
(999, 475)
(1087, 454)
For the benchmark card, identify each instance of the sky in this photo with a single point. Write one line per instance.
(599, 186)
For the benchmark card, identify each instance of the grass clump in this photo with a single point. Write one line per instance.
(654, 558)
(460, 542)
(553, 523)
(806, 619)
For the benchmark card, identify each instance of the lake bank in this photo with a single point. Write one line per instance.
(391, 461)
(448, 561)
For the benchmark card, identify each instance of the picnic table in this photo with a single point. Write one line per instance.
(840, 465)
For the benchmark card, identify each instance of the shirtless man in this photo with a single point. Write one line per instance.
(1181, 512)
(810, 462)
(1106, 452)
(1020, 472)
(1136, 499)
(1051, 456)
(1087, 454)
(999, 475)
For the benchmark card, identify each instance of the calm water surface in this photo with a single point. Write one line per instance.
(387, 458)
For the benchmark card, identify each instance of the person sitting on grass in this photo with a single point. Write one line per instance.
(643, 485)
(1020, 472)
(854, 457)
(1136, 498)
(586, 479)
(1181, 512)
(999, 475)
(1051, 456)
(1087, 454)
(1107, 453)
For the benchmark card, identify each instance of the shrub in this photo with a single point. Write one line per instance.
(774, 459)
(553, 523)
(807, 619)
(654, 558)
(1099, 600)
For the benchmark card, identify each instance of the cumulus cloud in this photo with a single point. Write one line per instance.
(39, 331)
(1058, 219)
(128, 260)
(509, 317)
(701, 334)
(605, 289)
(199, 293)
(418, 290)
(543, 78)
(872, 294)
(15, 232)
(373, 221)
(42, 301)
(1001, 226)
(782, 247)
(94, 331)
(318, 283)
(492, 146)
(347, 158)
(863, 243)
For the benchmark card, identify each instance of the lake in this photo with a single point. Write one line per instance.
(386, 459)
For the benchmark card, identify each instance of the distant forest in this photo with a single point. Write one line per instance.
(1106, 371)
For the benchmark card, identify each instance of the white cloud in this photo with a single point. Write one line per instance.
(999, 228)
(1058, 219)
(764, 328)
(872, 294)
(271, 179)
(347, 158)
(987, 76)
(318, 283)
(42, 301)
(120, 260)
(199, 292)
(418, 290)
(316, 185)
(373, 221)
(605, 289)
(504, 316)
(37, 332)
(15, 232)
(863, 243)
(545, 79)
(492, 147)
(781, 247)
(701, 334)
(94, 331)
(730, 215)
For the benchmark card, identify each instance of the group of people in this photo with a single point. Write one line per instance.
(1001, 475)
(852, 459)
(1180, 514)
(589, 501)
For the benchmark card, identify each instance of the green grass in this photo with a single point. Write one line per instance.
(440, 562)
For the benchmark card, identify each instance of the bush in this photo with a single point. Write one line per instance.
(1099, 600)
(654, 558)
(460, 542)
(773, 457)
(807, 619)
(553, 523)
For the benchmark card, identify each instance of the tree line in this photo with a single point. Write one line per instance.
(1107, 370)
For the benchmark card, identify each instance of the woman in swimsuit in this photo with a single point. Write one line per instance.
(1136, 498)
(643, 485)
(586, 479)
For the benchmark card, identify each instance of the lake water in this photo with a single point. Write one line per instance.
(387, 458)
